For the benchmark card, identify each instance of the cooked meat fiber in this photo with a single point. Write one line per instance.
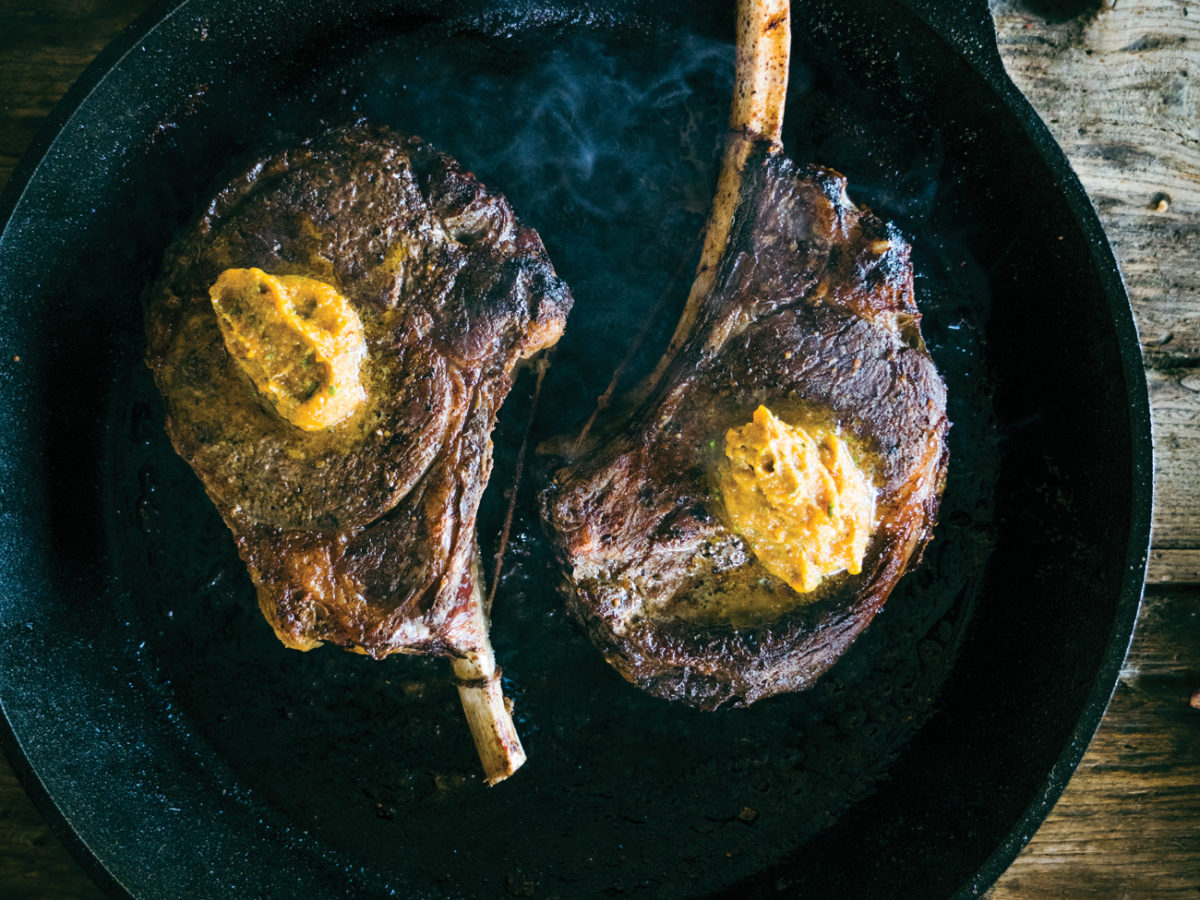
(812, 316)
(359, 532)
(806, 307)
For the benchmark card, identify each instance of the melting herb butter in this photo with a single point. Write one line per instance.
(299, 341)
(798, 498)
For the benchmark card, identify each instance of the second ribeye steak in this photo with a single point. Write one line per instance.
(810, 314)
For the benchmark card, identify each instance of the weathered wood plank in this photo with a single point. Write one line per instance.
(44, 46)
(1173, 567)
(1175, 407)
(1120, 90)
(34, 865)
(43, 49)
(1127, 824)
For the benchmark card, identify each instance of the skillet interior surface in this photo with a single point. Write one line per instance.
(190, 754)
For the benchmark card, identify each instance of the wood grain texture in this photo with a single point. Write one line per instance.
(44, 46)
(34, 865)
(1127, 826)
(1119, 88)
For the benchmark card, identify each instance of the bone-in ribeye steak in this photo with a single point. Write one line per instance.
(361, 534)
(812, 314)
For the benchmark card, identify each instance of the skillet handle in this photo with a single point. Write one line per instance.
(968, 26)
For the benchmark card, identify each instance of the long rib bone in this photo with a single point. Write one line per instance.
(763, 49)
(488, 713)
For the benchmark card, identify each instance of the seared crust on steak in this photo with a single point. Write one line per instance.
(361, 534)
(811, 313)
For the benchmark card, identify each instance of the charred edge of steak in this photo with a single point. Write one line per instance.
(360, 534)
(714, 666)
(813, 312)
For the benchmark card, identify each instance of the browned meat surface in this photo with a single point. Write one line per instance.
(812, 314)
(361, 534)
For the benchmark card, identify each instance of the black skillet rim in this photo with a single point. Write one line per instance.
(62, 113)
(970, 31)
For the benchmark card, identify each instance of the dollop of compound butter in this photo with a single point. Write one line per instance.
(298, 339)
(798, 498)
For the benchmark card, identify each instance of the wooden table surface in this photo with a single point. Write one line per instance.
(1118, 82)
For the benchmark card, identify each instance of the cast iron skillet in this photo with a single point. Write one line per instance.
(182, 752)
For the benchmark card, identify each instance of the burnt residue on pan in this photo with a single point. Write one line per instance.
(608, 144)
